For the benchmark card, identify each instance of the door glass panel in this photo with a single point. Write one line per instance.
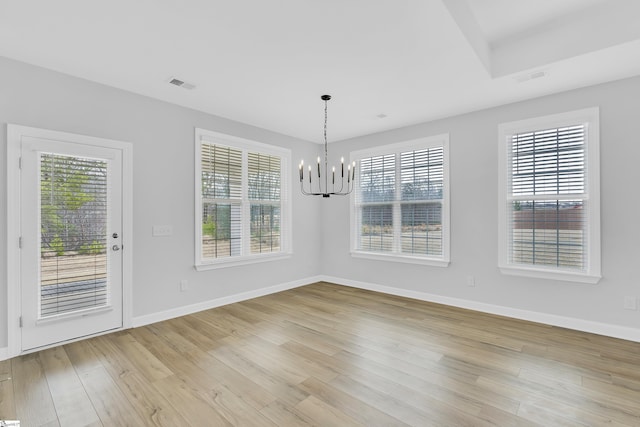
(73, 234)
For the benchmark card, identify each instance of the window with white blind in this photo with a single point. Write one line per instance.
(242, 201)
(74, 194)
(400, 207)
(549, 209)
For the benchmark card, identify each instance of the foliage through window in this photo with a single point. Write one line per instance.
(74, 194)
(400, 203)
(241, 204)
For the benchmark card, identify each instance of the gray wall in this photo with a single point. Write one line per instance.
(163, 183)
(162, 138)
(474, 207)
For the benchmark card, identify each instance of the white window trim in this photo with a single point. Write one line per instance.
(590, 117)
(285, 200)
(441, 140)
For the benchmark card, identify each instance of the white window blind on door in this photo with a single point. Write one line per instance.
(73, 225)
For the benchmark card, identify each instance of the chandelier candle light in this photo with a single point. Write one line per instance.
(324, 191)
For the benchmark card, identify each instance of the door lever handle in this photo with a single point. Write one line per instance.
(115, 247)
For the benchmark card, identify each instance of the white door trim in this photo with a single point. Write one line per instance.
(14, 138)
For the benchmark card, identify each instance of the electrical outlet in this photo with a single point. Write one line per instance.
(630, 303)
(162, 230)
(471, 281)
(184, 285)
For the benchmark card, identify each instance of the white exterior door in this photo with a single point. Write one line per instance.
(71, 240)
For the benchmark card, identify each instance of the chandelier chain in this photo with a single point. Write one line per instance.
(325, 129)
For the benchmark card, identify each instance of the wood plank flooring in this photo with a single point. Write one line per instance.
(329, 355)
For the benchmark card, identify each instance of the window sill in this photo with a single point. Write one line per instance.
(434, 262)
(238, 261)
(567, 276)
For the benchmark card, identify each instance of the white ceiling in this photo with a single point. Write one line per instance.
(266, 63)
(500, 19)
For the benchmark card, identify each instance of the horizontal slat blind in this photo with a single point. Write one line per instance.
(221, 172)
(221, 204)
(221, 229)
(422, 174)
(73, 240)
(264, 177)
(376, 228)
(377, 180)
(422, 228)
(546, 230)
(237, 221)
(376, 185)
(549, 233)
(264, 194)
(399, 202)
(265, 228)
(550, 161)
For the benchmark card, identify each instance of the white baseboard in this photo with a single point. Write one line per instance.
(4, 353)
(218, 302)
(615, 331)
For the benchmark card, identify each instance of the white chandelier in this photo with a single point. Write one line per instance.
(321, 190)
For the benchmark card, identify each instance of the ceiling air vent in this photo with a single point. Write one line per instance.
(530, 76)
(180, 83)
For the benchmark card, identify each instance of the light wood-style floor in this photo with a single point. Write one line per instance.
(329, 355)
